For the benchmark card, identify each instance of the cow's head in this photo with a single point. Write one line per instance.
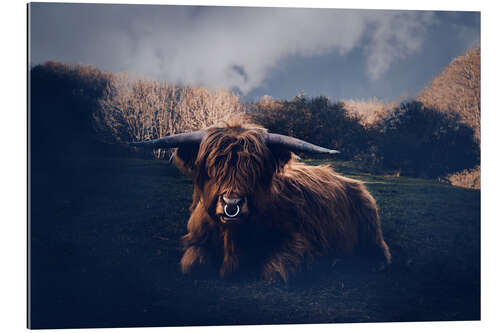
(233, 165)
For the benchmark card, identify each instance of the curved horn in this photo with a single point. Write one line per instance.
(172, 141)
(296, 144)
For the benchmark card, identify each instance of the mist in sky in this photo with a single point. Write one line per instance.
(257, 51)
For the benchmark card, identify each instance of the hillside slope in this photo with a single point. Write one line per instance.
(458, 89)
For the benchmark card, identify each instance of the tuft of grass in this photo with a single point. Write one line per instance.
(470, 178)
(105, 247)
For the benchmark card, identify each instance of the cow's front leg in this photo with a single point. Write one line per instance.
(287, 258)
(199, 231)
(193, 256)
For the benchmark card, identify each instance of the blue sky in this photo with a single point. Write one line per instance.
(341, 54)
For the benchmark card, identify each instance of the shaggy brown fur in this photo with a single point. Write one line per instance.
(294, 211)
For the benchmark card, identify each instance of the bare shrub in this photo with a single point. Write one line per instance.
(137, 110)
(368, 111)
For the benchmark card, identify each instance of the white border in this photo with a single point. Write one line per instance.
(13, 164)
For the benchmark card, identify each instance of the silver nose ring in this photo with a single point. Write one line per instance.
(232, 215)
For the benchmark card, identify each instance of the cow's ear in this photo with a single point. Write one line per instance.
(185, 157)
(282, 156)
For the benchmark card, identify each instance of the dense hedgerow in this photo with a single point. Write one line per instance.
(415, 140)
(62, 101)
(409, 139)
(316, 120)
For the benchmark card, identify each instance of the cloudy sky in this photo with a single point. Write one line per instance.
(356, 54)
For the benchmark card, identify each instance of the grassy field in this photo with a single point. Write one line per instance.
(105, 250)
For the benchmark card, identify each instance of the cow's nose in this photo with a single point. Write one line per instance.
(232, 206)
(231, 210)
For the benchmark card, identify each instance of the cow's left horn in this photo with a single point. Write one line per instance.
(172, 141)
(297, 145)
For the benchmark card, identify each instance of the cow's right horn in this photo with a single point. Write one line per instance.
(172, 141)
(296, 145)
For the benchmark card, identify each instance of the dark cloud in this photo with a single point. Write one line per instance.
(230, 47)
(240, 70)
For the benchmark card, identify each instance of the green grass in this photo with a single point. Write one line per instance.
(105, 251)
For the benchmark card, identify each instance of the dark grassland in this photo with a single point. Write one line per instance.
(105, 250)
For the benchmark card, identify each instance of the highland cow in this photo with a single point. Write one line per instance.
(256, 208)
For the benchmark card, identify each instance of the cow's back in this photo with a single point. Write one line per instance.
(332, 210)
